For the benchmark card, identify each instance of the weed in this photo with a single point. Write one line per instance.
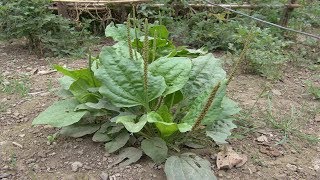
(3, 107)
(13, 160)
(313, 89)
(52, 138)
(16, 86)
(288, 125)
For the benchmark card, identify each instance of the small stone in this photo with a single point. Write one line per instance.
(292, 167)
(276, 92)
(5, 175)
(28, 69)
(79, 139)
(262, 138)
(316, 164)
(80, 152)
(220, 175)
(104, 176)
(22, 135)
(118, 175)
(293, 151)
(17, 144)
(35, 167)
(317, 118)
(76, 165)
(29, 161)
(86, 167)
(42, 154)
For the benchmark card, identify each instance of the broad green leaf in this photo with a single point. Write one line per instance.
(101, 135)
(193, 53)
(64, 94)
(79, 89)
(165, 113)
(60, 114)
(66, 82)
(102, 104)
(161, 31)
(76, 131)
(194, 145)
(118, 142)
(175, 70)
(221, 129)
(174, 98)
(130, 124)
(85, 74)
(166, 128)
(188, 167)
(205, 72)
(115, 129)
(123, 82)
(214, 111)
(128, 156)
(118, 32)
(155, 148)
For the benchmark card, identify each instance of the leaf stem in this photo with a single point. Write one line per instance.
(172, 99)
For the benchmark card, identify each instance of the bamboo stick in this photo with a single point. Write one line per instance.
(103, 3)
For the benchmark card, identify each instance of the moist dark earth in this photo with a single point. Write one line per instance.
(275, 143)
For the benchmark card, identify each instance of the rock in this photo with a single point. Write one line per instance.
(104, 176)
(29, 161)
(270, 151)
(276, 92)
(316, 164)
(42, 154)
(80, 152)
(317, 118)
(22, 135)
(76, 165)
(17, 144)
(228, 158)
(106, 154)
(86, 167)
(5, 175)
(262, 138)
(79, 139)
(292, 167)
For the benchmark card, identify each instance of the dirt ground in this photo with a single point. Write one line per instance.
(25, 153)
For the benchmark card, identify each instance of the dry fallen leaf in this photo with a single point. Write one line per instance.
(228, 159)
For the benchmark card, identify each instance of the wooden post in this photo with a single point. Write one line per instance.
(63, 9)
(286, 13)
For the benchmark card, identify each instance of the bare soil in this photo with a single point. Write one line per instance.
(25, 153)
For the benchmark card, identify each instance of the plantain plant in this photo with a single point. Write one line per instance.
(144, 95)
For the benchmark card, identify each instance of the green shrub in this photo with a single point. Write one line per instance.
(267, 53)
(47, 33)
